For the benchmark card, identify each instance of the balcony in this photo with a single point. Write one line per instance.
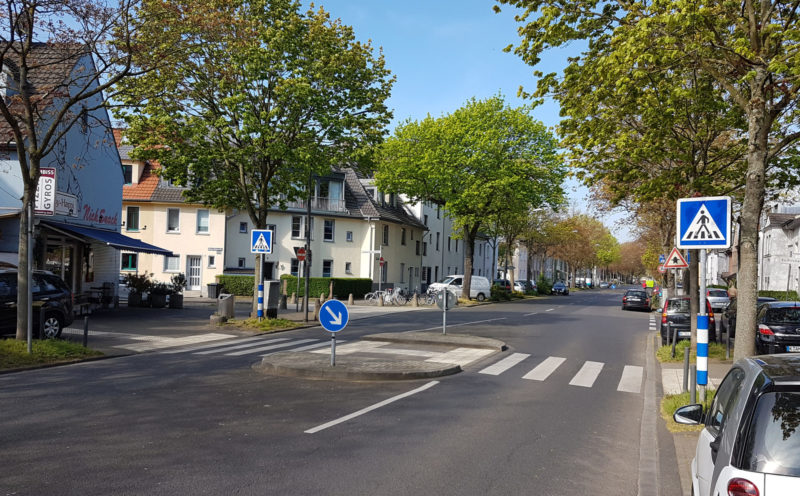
(319, 204)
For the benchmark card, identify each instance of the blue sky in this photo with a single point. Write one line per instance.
(445, 52)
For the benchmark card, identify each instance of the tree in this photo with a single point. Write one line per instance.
(477, 163)
(257, 100)
(581, 241)
(749, 51)
(60, 59)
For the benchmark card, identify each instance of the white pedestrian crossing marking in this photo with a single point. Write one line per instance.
(239, 346)
(148, 343)
(631, 381)
(587, 374)
(504, 364)
(212, 345)
(270, 347)
(544, 369)
(460, 356)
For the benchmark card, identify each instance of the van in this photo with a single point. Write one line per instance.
(479, 286)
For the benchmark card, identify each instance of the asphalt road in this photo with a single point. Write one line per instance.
(186, 423)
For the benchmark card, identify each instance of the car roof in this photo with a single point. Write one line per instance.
(783, 368)
(782, 304)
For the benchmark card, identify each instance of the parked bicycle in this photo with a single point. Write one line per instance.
(372, 297)
(395, 297)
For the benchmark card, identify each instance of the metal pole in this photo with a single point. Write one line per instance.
(260, 309)
(692, 384)
(702, 330)
(333, 349)
(685, 369)
(297, 292)
(308, 249)
(444, 311)
(86, 331)
(30, 276)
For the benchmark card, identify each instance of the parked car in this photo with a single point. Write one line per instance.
(603, 285)
(524, 286)
(503, 284)
(730, 313)
(560, 288)
(718, 298)
(750, 444)
(478, 289)
(636, 299)
(676, 315)
(778, 327)
(49, 293)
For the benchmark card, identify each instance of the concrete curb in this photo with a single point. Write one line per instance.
(417, 337)
(317, 366)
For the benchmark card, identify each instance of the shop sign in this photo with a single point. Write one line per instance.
(66, 204)
(45, 199)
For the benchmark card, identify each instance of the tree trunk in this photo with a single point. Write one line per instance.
(22, 267)
(469, 252)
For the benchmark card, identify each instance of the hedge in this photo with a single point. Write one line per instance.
(342, 287)
(237, 285)
(780, 295)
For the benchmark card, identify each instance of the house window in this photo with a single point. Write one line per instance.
(424, 249)
(243, 227)
(384, 271)
(403, 236)
(127, 173)
(386, 235)
(438, 235)
(426, 219)
(328, 230)
(242, 262)
(202, 221)
(348, 268)
(173, 220)
(326, 268)
(130, 261)
(172, 263)
(402, 271)
(132, 219)
(417, 249)
(212, 261)
(349, 236)
(448, 243)
(274, 229)
(456, 246)
(295, 267)
(438, 212)
(299, 227)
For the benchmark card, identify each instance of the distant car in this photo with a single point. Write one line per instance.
(750, 443)
(778, 327)
(603, 285)
(560, 288)
(636, 299)
(718, 298)
(503, 284)
(50, 293)
(677, 315)
(524, 286)
(730, 313)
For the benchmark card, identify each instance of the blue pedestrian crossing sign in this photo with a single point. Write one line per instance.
(333, 315)
(704, 222)
(261, 241)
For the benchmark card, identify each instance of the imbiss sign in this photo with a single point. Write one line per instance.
(45, 201)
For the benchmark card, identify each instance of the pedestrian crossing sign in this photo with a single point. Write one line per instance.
(261, 241)
(704, 222)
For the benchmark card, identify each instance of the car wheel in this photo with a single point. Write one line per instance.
(481, 297)
(52, 327)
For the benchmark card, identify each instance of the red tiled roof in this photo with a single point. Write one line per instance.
(148, 183)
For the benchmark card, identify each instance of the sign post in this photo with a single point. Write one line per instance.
(261, 244)
(300, 253)
(703, 224)
(333, 317)
(445, 300)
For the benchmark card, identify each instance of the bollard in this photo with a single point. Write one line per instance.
(41, 323)
(685, 369)
(282, 302)
(692, 385)
(317, 305)
(350, 299)
(415, 300)
(322, 297)
(380, 300)
(672, 335)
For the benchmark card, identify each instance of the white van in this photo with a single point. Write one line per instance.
(479, 286)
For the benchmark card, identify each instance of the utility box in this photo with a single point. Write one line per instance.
(225, 306)
(272, 298)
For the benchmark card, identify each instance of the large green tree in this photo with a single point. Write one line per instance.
(749, 50)
(484, 159)
(259, 98)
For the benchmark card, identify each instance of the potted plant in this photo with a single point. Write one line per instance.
(138, 284)
(158, 295)
(178, 284)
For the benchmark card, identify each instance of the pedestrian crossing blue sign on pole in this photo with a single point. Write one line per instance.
(704, 223)
(261, 241)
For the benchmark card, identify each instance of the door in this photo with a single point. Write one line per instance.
(193, 263)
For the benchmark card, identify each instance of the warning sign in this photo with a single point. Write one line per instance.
(675, 260)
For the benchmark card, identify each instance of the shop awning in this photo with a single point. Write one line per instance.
(110, 238)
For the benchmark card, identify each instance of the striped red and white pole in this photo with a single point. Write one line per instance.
(260, 301)
(702, 350)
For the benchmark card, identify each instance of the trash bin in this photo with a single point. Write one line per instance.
(225, 306)
(213, 290)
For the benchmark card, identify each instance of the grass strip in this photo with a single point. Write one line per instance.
(14, 353)
(716, 351)
(671, 402)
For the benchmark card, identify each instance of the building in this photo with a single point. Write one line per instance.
(779, 251)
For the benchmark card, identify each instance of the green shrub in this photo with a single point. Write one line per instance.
(544, 285)
(717, 286)
(342, 287)
(237, 285)
(499, 294)
(780, 295)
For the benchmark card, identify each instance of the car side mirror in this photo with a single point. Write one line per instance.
(689, 414)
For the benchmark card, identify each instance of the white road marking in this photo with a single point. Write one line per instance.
(371, 408)
(549, 309)
(367, 346)
(504, 364)
(587, 374)
(314, 346)
(460, 356)
(213, 345)
(271, 347)
(147, 343)
(631, 381)
(529, 314)
(544, 369)
(456, 325)
(249, 344)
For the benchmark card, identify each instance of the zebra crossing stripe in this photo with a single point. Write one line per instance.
(631, 381)
(587, 374)
(504, 364)
(212, 345)
(271, 347)
(239, 346)
(313, 346)
(544, 369)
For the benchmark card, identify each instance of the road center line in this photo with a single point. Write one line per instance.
(456, 325)
(549, 309)
(370, 408)
(529, 314)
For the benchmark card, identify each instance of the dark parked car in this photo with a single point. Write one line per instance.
(676, 316)
(502, 284)
(49, 292)
(636, 299)
(730, 313)
(778, 327)
(560, 288)
(750, 444)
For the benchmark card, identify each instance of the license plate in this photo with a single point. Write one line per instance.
(688, 334)
(634, 299)
(793, 348)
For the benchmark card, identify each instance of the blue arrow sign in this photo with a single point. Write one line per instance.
(333, 315)
(261, 241)
(704, 222)
(662, 259)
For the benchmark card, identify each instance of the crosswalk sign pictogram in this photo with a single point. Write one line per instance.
(704, 222)
(261, 241)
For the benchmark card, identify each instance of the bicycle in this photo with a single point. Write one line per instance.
(394, 297)
(372, 297)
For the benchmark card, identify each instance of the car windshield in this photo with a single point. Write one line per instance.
(718, 293)
(785, 315)
(773, 442)
(678, 306)
(638, 294)
(447, 280)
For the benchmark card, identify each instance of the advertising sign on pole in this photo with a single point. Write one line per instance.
(45, 199)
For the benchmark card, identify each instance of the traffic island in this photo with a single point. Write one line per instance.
(427, 337)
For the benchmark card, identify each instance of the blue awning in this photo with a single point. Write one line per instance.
(109, 238)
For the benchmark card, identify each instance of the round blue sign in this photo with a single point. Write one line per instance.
(333, 315)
